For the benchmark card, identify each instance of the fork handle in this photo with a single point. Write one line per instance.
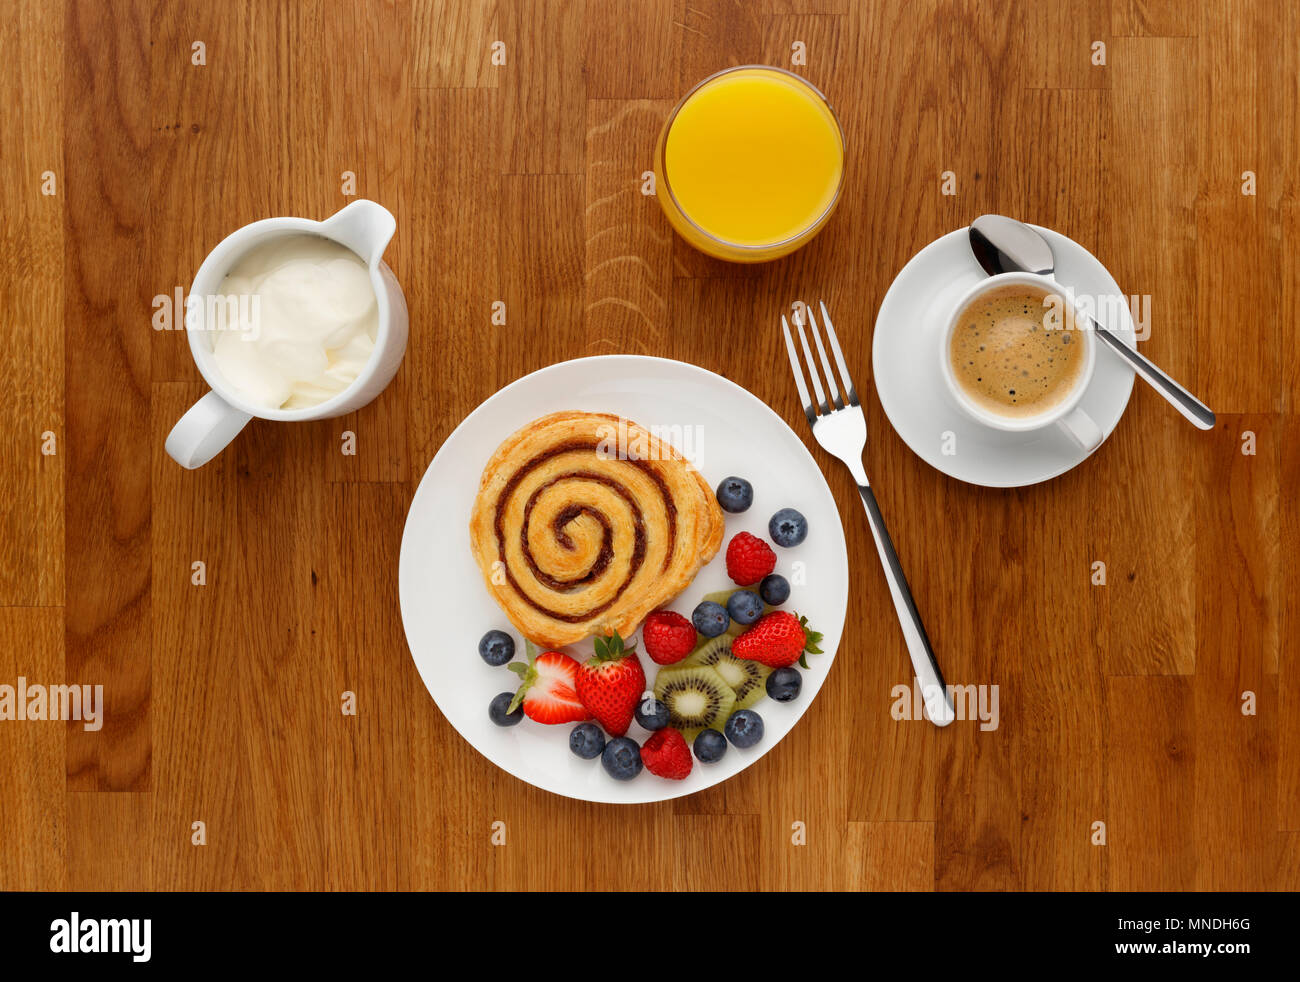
(934, 692)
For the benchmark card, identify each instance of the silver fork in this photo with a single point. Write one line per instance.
(841, 429)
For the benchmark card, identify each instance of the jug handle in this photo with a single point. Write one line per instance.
(204, 431)
(365, 227)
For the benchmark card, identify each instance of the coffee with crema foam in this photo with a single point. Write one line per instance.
(1012, 354)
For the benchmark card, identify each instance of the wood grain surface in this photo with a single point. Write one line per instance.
(521, 183)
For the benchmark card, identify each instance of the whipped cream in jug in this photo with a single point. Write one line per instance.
(309, 326)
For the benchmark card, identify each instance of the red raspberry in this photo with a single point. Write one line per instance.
(749, 559)
(667, 755)
(668, 637)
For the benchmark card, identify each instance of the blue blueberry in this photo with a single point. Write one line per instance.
(710, 745)
(784, 684)
(498, 710)
(745, 606)
(496, 648)
(587, 741)
(652, 714)
(621, 759)
(775, 589)
(735, 494)
(787, 527)
(711, 619)
(744, 728)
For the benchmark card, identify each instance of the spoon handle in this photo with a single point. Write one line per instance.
(1198, 412)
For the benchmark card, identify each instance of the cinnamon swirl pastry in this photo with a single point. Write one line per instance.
(585, 522)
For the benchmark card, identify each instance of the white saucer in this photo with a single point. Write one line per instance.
(905, 368)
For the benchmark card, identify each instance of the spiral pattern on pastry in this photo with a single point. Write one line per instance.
(585, 522)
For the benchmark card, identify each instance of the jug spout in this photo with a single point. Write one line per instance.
(364, 226)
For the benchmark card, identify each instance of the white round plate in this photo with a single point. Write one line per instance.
(724, 430)
(905, 368)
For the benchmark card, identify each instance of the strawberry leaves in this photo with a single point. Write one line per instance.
(811, 639)
(527, 672)
(612, 648)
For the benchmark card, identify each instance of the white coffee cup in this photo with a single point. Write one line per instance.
(1066, 413)
(211, 423)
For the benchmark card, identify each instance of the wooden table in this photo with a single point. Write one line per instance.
(521, 183)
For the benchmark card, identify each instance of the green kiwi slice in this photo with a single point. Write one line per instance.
(747, 679)
(697, 698)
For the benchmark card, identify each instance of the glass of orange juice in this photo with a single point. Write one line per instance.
(750, 163)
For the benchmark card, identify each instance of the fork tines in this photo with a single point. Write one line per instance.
(821, 406)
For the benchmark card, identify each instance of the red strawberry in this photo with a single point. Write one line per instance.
(610, 683)
(669, 637)
(667, 754)
(777, 640)
(549, 691)
(749, 559)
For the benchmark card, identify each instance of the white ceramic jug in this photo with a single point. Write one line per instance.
(211, 423)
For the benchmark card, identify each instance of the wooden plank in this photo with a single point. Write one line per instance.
(627, 255)
(1288, 107)
(109, 839)
(1058, 710)
(1288, 873)
(1146, 609)
(1153, 18)
(356, 622)
(544, 92)
(1058, 39)
(825, 853)
(1151, 750)
(453, 44)
(32, 779)
(629, 50)
(542, 249)
(32, 295)
(887, 856)
(283, 699)
(645, 847)
(1288, 669)
(1238, 373)
(458, 352)
(199, 759)
(979, 821)
(107, 372)
(715, 852)
(984, 49)
(1237, 583)
(779, 8)
(817, 41)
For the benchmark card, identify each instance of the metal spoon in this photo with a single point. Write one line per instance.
(1004, 245)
